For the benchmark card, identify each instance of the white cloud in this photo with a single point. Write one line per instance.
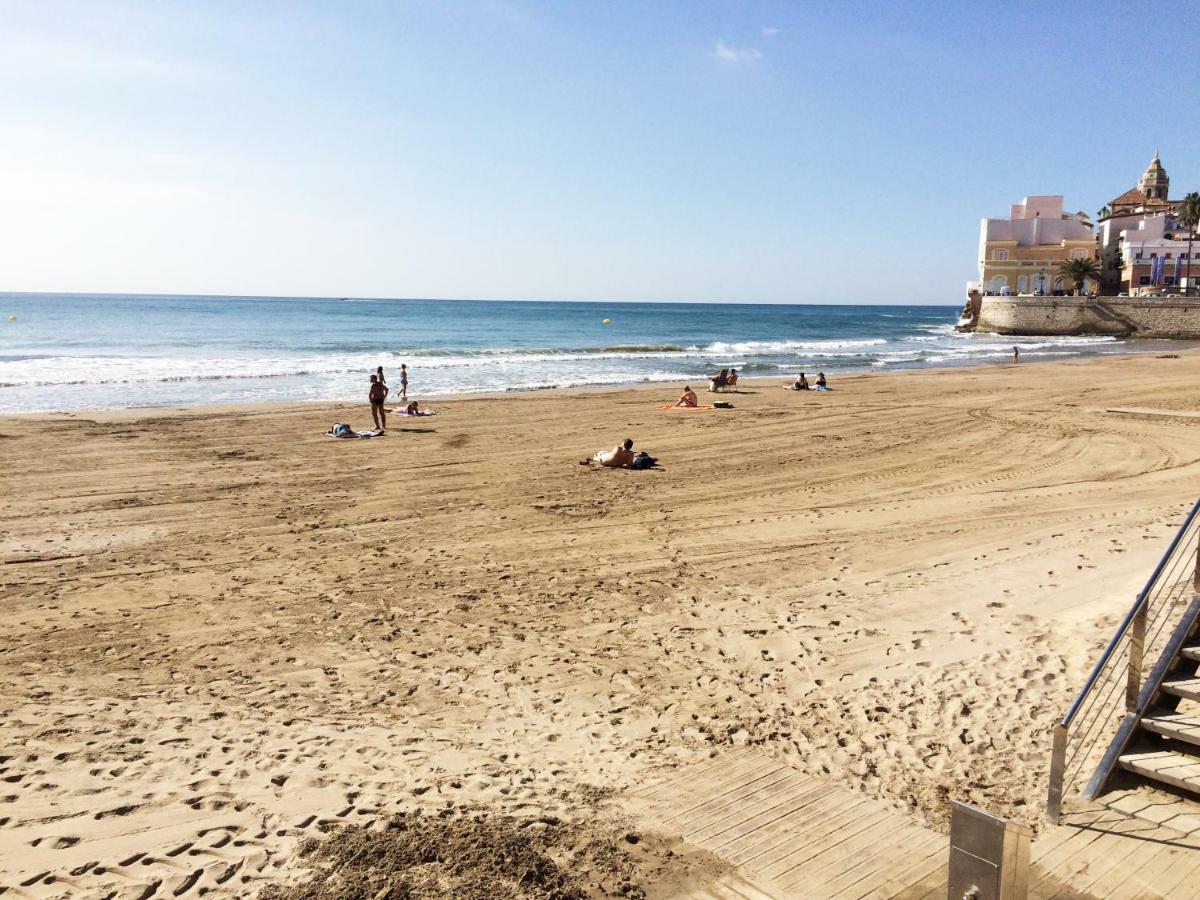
(737, 55)
(769, 31)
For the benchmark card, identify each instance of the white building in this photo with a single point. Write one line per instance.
(1021, 254)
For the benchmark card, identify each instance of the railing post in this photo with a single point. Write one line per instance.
(1196, 572)
(1058, 761)
(1137, 645)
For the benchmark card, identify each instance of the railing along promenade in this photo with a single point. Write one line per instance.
(1112, 688)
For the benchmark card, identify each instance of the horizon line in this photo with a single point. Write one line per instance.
(377, 299)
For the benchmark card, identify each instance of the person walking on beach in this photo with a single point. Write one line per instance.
(377, 395)
(379, 374)
(403, 382)
(1016, 354)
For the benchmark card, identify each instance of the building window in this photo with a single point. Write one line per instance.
(1154, 256)
(1022, 284)
(1078, 254)
(1143, 281)
(1138, 255)
(1168, 256)
(1000, 254)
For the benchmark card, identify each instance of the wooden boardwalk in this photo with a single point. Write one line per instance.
(795, 835)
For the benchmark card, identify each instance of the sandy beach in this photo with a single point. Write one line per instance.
(224, 633)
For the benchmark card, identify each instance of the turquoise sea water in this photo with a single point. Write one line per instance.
(66, 352)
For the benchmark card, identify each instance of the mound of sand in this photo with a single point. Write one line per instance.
(489, 857)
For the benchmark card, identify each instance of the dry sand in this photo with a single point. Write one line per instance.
(223, 632)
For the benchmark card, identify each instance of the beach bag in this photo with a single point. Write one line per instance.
(643, 461)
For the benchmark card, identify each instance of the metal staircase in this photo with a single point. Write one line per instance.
(1145, 687)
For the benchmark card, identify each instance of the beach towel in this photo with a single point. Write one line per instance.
(687, 408)
(403, 411)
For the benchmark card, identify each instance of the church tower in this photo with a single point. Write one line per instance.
(1154, 180)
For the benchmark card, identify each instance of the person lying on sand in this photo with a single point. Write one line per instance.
(688, 398)
(619, 457)
(342, 430)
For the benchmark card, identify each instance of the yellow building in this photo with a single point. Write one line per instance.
(1021, 254)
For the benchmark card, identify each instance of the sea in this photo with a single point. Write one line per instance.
(63, 352)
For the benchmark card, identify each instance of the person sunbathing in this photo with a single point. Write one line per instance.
(718, 381)
(821, 385)
(800, 384)
(688, 398)
(619, 457)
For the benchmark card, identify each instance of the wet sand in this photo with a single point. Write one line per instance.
(224, 632)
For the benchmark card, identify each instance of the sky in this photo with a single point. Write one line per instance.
(761, 152)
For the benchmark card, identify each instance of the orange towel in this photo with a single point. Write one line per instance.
(686, 408)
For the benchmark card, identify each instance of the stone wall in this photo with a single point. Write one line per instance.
(1175, 318)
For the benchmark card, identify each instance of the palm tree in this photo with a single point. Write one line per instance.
(1189, 216)
(1079, 271)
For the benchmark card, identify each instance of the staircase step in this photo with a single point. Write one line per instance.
(1188, 688)
(1192, 653)
(1175, 725)
(1179, 770)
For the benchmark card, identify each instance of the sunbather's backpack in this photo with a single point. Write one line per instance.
(643, 461)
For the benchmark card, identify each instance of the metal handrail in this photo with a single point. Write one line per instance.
(1133, 627)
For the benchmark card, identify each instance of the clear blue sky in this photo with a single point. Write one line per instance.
(787, 151)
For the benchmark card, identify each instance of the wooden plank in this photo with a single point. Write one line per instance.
(1188, 688)
(687, 774)
(1177, 769)
(866, 878)
(734, 842)
(792, 856)
(720, 803)
(697, 789)
(912, 874)
(760, 856)
(861, 858)
(720, 836)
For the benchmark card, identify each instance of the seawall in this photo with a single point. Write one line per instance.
(1123, 317)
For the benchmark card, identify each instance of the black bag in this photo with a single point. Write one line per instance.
(643, 461)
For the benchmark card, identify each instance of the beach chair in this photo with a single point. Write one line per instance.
(728, 384)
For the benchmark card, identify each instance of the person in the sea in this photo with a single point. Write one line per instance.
(1016, 354)
(688, 398)
(377, 395)
(382, 380)
(619, 457)
(403, 382)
